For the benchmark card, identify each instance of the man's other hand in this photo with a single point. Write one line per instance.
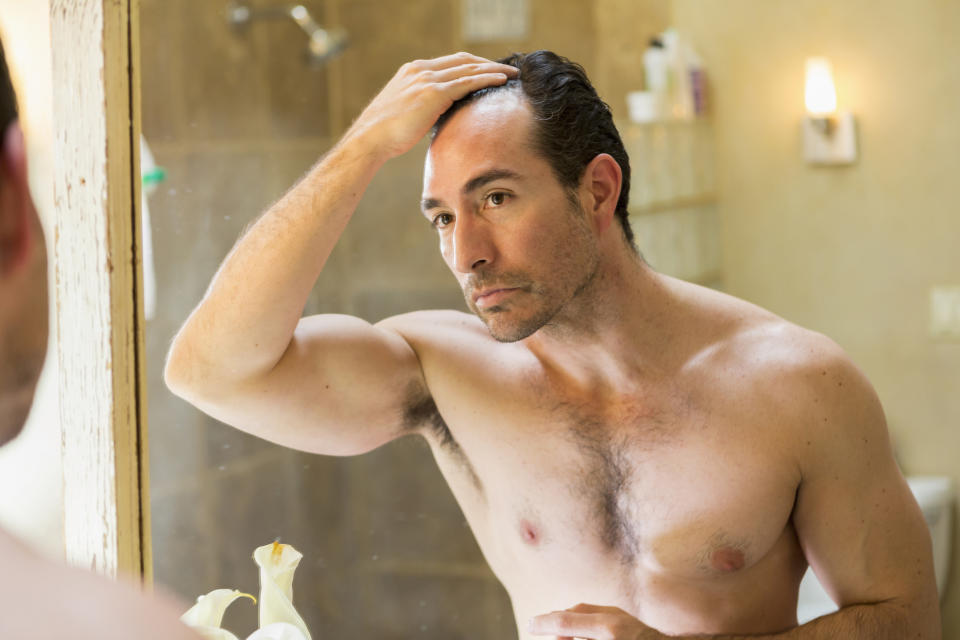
(419, 93)
(592, 622)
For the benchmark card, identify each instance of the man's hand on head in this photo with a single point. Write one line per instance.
(592, 622)
(419, 93)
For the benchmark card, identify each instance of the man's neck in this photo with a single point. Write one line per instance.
(615, 332)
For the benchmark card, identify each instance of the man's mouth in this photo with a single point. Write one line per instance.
(490, 297)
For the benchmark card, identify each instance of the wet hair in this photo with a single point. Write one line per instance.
(572, 125)
(8, 100)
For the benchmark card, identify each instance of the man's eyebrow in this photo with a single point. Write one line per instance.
(486, 177)
(472, 185)
(430, 203)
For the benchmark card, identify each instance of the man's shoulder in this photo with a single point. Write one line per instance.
(746, 349)
(781, 357)
(800, 377)
(438, 329)
(774, 346)
(733, 333)
(726, 332)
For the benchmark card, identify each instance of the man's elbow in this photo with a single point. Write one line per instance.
(182, 373)
(921, 616)
(911, 617)
(175, 373)
(203, 381)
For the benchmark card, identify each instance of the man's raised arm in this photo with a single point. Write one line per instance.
(329, 384)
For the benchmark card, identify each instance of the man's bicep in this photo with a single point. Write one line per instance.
(341, 388)
(858, 523)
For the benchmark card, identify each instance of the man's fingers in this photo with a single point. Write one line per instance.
(570, 624)
(445, 62)
(456, 89)
(472, 69)
(594, 608)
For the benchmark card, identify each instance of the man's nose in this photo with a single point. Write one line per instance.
(472, 246)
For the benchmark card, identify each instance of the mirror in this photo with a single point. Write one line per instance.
(236, 113)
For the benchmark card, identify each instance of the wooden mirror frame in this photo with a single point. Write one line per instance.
(99, 292)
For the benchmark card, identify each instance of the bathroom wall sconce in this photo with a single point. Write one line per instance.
(829, 136)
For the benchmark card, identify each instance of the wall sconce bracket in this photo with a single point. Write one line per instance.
(830, 140)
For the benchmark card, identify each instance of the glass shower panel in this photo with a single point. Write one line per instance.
(234, 115)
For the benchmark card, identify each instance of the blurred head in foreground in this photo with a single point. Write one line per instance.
(23, 272)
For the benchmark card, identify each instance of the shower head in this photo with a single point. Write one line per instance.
(323, 44)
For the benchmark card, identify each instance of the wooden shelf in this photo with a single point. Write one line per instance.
(675, 203)
(624, 126)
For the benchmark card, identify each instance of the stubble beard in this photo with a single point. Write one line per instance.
(502, 321)
(542, 317)
(497, 319)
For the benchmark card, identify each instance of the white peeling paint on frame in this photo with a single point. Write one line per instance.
(99, 313)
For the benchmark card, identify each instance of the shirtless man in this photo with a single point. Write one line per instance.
(671, 455)
(43, 600)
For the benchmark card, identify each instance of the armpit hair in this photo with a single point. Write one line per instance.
(420, 411)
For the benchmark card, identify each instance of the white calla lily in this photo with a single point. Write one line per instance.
(278, 631)
(212, 633)
(278, 619)
(277, 563)
(206, 616)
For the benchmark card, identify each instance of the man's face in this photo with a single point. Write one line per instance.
(23, 288)
(518, 243)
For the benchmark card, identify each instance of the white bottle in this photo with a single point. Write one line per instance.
(655, 69)
(678, 64)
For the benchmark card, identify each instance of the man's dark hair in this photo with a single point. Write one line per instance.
(8, 100)
(572, 125)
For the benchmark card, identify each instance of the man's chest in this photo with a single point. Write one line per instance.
(671, 486)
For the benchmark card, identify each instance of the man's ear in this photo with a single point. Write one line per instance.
(16, 208)
(602, 180)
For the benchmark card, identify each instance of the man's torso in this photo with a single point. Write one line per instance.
(670, 498)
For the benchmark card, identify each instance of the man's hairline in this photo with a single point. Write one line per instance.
(471, 99)
(569, 191)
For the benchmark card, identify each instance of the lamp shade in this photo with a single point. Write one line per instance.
(820, 95)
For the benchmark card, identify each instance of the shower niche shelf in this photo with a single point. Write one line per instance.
(673, 199)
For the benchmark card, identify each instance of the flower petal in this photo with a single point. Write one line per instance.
(278, 631)
(277, 564)
(213, 633)
(209, 610)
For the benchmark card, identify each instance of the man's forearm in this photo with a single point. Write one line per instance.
(246, 321)
(917, 618)
(248, 315)
(881, 621)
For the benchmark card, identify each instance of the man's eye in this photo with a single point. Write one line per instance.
(442, 220)
(497, 198)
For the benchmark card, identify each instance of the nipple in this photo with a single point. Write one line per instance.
(727, 559)
(528, 532)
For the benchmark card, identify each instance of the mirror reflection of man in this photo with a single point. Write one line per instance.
(42, 600)
(668, 456)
